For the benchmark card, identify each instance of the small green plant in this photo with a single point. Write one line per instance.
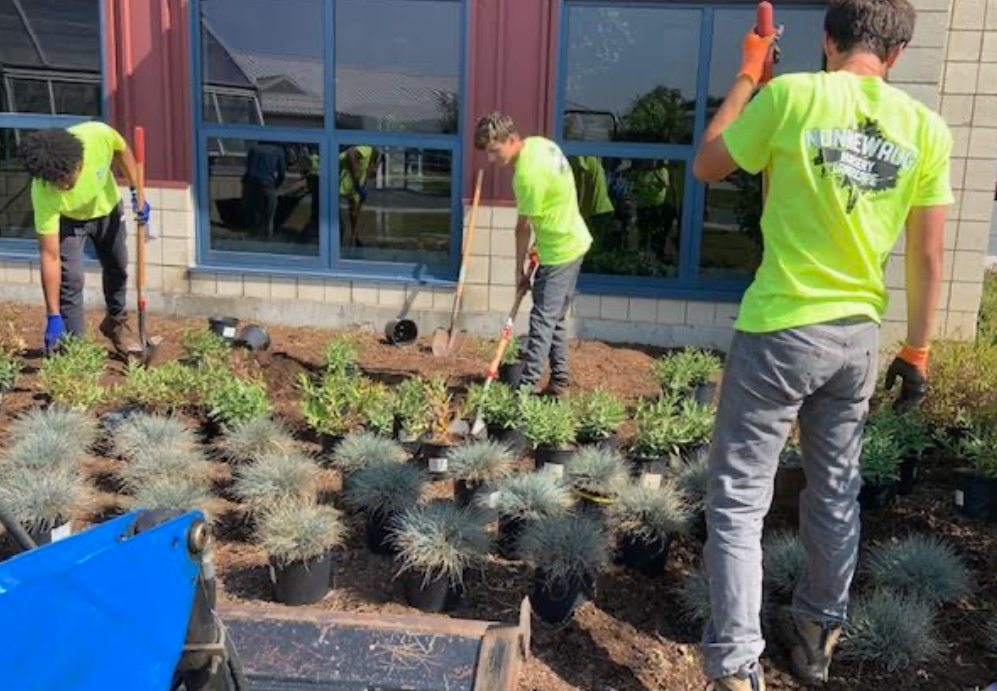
(180, 493)
(165, 462)
(237, 400)
(43, 497)
(145, 434)
(894, 631)
(694, 597)
(498, 405)
(168, 388)
(599, 414)
(10, 368)
(597, 470)
(384, 489)
(566, 549)
(72, 425)
(439, 540)
(71, 377)
(693, 479)
(361, 449)
(921, 566)
(376, 406)
(979, 448)
(530, 497)
(330, 407)
(909, 430)
(341, 355)
(665, 429)
(204, 348)
(274, 478)
(479, 461)
(441, 409)
(248, 440)
(784, 560)
(680, 371)
(548, 422)
(963, 384)
(512, 351)
(880, 459)
(298, 532)
(411, 407)
(650, 515)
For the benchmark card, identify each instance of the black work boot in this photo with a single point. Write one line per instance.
(117, 331)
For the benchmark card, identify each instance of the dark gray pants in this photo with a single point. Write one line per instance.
(108, 236)
(553, 288)
(824, 375)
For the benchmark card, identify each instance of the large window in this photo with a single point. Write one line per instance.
(636, 86)
(329, 134)
(50, 76)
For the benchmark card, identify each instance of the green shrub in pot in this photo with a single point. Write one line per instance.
(600, 414)
(548, 422)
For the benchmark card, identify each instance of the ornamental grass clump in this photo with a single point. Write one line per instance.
(248, 440)
(73, 425)
(42, 498)
(921, 566)
(893, 631)
(168, 463)
(566, 549)
(179, 493)
(784, 561)
(360, 449)
(439, 540)
(597, 470)
(145, 434)
(44, 448)
(650, 515)
(384, 489)
(275, 478)
(879, 462)
(479, 461)
(694, 597)
(292, 532)
(693, 479)
(530, 497)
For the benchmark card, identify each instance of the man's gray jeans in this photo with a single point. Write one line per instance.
(823, 374)
(553, 289)
(108, 236)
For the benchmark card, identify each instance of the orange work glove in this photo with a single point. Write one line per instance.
(756, 53)
(911, 367)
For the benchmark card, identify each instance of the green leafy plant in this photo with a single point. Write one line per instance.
(694, 597)
(512, 351)
(168, 388)
(376, 406)
(166, 462)
(248, 440)
(650, 514)
(360, 449)
(439, 540)
(566, 548)
(275, 478)
(297, 532)
(680, 371)
(180, 493)
(479, 461)
(880, 459)
(498, 405)
(921, 566)
(784, 560)
(664, 428)
(330, 407)
(548, 422)
(237, 400)
(41, 498)
(384, 489)
(204, 348)
(341, 355)
(10, 368)
(597, 470)
(145, 434)
(599, 414)
(441, 409)
(893, 631)
(910, 430)
(411, 407)
(530, 497)
(978, 447)
(71, 377)
(963, 384)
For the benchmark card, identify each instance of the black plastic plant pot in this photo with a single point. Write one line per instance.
(513, 439)
(401, 332)
(211, 429)
(226, 327)
(43, 536)
(329, 442)
(705, 394)
(611, 442)
(697, 527)
(379, 533)
(511, 373)
(464, 491)
(552, 456)
(976, 496)
(302, 582)
(254, 338)
(434, 457)
(594, 505)
(437, 595)
(510, 530)
(649, 465)
(647, 557)
(877, 495)
(909, 472)
(555, 601)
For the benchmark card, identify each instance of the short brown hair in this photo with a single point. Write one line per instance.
(874, 26)
(492, 128)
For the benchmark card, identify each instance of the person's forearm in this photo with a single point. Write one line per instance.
(522, 242)
(127, 165)
(51, 266)
(735, 101)
(924, 280)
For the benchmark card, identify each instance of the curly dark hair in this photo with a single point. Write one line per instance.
(52, 155)
(874, 26)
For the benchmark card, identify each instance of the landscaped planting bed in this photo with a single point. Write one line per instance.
(335, 453)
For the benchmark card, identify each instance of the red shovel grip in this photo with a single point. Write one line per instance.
(765, 26)
(140, 145)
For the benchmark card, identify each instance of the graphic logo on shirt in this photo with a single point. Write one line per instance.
(558, 161)
(859, 161)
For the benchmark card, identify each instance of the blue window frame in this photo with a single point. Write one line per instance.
(636, 85)
(52, 67)
(324, 115)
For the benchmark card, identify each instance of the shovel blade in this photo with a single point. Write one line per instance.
(446, 343)
(149, 348)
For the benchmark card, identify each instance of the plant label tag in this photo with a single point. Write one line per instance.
(438, 465)
(651, 481)
(273, 574)
(62, 532)
(228, 331)
(555, 469)
(492, 501)
(960, 498)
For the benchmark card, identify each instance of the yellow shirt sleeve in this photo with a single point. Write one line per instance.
(113, 137)
(933, 183)
(749, 137)
(44, 202)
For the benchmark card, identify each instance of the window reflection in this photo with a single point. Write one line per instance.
(264, 196)
(633, 207)
(394, 204)
(631, 74)
(16, 216)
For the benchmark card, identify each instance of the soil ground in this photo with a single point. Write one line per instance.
(631, 638)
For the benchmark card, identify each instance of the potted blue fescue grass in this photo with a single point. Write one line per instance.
(43, 498)
(436, 544)
(246, 441)
(181, 493)
(382, 491)
(597, 474)
(891, 631)
(693, 479)
(474, 464)
(276, 478)
(358, 450)
(645, 519)
(144, 433)
(921, 566)
(522, 500)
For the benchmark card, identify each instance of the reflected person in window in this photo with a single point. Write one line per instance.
(850, 161)
(357, 166)
(266, 169)
(75, 198)
(547, 201)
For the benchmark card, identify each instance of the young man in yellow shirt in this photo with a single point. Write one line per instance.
(75, 197)
(851, 161)
(547, 201)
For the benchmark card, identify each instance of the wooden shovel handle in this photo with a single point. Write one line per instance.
(466, 250)
(140, 196)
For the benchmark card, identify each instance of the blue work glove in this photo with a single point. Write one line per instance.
(55, 329)
(360, 191)
(141, 215)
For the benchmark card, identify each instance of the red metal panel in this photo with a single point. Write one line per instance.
(148, 76)
(512, 50)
